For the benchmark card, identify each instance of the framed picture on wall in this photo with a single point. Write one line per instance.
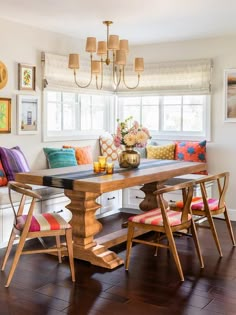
(26, 77)
(230, 95)
(5, 115)
(27, 114)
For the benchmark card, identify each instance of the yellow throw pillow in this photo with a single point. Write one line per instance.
(163, 152)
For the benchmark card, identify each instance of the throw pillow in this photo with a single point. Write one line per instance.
(3, 178)
(108, 148)
(60, 157)
(83, 155)
(163, 152)
(191, 151)
(13, 161)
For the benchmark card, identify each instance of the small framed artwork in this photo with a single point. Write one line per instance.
(5, 115)
(27, 114)
(230, 95)
(26, 77)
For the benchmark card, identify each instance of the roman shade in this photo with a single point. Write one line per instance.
(181, 77)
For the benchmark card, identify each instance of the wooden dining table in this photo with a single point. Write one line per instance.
(82, 186)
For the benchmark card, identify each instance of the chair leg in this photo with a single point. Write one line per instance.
(58, 243)
(229, 226)
(214, 233)
(69, 244)
(15, 260)
(130, 235)
(8, 250)
(173, 249)
(197, 244)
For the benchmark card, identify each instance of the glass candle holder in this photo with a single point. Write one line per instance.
(96, 167)
(102, 162)
(110, 168)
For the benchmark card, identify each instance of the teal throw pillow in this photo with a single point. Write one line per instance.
(60, 157)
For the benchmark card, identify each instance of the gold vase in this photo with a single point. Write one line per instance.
(129, 158)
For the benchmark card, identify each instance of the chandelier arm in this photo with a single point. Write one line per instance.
(116, 77)
(91, 75)
(130, 87)
(101, 82)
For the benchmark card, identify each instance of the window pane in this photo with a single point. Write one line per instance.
(150, 117)
(193, 99)
(98, 119)
(54, 96)
(68, 116)
(192, 118)
(133, 111)
(85, 117)
(131, 100)
(171, 100)
(54, 116)
(69, 97)
(150, 100)
(172, 118)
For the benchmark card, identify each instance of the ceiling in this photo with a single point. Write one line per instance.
(140, 21)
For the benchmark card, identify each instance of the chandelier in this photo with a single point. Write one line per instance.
(118, 49)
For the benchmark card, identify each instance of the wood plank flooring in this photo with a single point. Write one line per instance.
(42, 286)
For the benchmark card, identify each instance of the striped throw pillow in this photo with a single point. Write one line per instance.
(13, 161)
(60, 157)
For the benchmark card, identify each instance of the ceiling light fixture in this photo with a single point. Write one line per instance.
(119, 49)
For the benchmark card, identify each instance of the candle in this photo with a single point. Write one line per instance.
(96, 167)
(110, 168)
(102, 163)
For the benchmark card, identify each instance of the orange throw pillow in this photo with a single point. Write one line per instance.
(83, 154)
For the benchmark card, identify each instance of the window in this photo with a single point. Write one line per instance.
(169, 117)
(69, 115)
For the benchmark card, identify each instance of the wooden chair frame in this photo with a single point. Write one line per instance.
(24, 234)
(222, 183)
(167, 229)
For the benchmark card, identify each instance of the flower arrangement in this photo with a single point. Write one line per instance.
(131, 133)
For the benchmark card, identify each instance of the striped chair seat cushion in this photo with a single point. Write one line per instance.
(197, 203)
(154, 217)
(43, 222)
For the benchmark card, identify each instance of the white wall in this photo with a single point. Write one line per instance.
(22, 44)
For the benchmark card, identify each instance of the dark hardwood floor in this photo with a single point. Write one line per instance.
(42, 286)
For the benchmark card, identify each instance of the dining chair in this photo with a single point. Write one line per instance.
(28, 225)
(165, 221)
(208, 207)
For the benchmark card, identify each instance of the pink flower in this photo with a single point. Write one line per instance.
(131, 133)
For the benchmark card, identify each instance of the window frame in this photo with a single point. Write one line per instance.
(78, 134)
(168, 135)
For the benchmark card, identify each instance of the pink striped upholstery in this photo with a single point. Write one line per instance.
(154, 217)
(43, 222)
(197, 204)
